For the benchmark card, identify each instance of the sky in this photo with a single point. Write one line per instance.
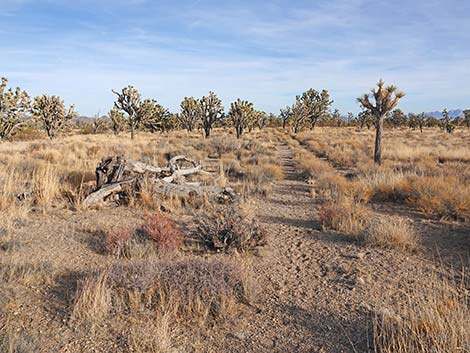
(264, 51)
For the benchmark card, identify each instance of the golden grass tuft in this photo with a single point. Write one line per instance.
(434, 318)
(345, 216)
(392, 232)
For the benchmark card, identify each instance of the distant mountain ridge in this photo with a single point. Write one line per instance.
(452, 113)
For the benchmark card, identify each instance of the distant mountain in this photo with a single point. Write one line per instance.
(452, 113)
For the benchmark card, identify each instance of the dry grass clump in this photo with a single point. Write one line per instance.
(118, 241)
(392, 232)
(190, 291)
(163, 231)
(436, 196)
(445, 198)
(434, 318)
(227, 229)
(345, 216)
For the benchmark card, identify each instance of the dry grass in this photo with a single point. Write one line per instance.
(392, 232)
(434, 318)
(428, 171)
(190, 290)
(345, 216)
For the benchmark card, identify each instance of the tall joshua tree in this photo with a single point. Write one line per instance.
(128, 101)
(190, 113)
(386, 99)
(297, 115)
(285, 115)
(14, 105)
(211, 111)
(152, 115)
(316, 105)
(52, 113)
(241, 113)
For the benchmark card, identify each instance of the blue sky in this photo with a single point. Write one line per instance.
(264, 51)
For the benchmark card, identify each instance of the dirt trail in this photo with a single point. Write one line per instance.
(318, 289)
(305, 280)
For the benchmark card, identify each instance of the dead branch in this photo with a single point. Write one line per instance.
(112, 173)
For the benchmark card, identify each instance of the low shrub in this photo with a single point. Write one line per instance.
(229, 229)
(190, 290)
(117, 241)
(392, 232)
(345, 216)
(163, 231)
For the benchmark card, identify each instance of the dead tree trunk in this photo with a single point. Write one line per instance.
(115, 175)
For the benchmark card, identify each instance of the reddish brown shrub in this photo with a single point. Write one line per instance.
(163, 230)
(117, 241)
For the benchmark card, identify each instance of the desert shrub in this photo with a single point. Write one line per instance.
(226, 229)
(392, 232)
(433, 318)
(117, 241)
(191, 290)
(345, 216)
(441, 197)
(223, 145)
(164, 231)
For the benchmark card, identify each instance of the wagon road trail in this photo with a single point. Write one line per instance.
(314, 287)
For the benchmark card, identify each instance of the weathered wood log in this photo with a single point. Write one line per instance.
(212, 192)
(112, 173)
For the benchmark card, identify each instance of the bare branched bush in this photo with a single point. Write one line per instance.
(229, 229)
(164, 231)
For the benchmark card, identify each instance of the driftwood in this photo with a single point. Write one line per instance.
(115, 176)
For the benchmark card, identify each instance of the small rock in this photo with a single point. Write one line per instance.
(361, 281)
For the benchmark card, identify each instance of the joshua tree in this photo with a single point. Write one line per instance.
(466, 118)
(285, 115)
(99, 125)
(118, 121)
(386, 98)
(14, 105)
(397, 118)
(261, 119)
(446, 123)
(417, 121)
(190, 113)
(51, 112)
(316, 105)
(129, 101)
(365, 118)
(241, 114)
(152, 115)
(211, 111)
(297, 115)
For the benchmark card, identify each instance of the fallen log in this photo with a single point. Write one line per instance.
(113, 174)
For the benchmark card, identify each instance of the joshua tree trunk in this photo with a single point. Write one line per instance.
(378, 140)
(132, 131)
(239, 131)
(207, 131)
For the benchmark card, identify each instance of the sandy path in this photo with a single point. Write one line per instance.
(305, 280)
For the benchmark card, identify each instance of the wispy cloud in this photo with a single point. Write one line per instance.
(265, 52)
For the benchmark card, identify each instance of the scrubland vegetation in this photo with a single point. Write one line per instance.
(377, 221)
